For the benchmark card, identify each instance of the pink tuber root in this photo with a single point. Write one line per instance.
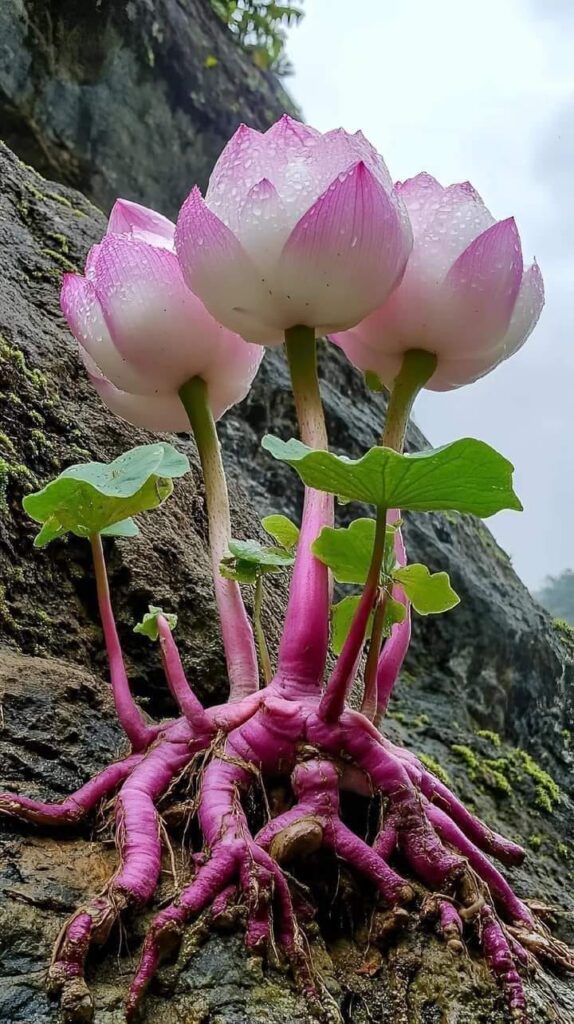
(282, 733)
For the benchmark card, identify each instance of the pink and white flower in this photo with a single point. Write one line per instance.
(296, 228)
(142, 333)
(465, 294)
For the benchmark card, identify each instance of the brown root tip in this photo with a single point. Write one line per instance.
(229, 918)
(406, 894)
(455, 946)
(76, 1002)
(300, 839)
(391, 921)
(470, 912)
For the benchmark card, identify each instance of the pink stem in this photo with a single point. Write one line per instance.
(74, 808)
(129, 714)
(370, 695)
(394, 651)
(180, 689)
(333, 700)
(237, 634)
(305, 638)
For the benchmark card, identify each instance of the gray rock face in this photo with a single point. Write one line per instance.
(117, 98)
(126, 97)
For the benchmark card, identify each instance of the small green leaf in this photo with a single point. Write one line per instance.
(342, 615)
(253, 551)
(394, 612)
(125, 528)
(465, 476)
(282, 530)
(248, 559)
(242, 572)
(89, 498)
(148, 625)
(348, 551)
(429, 593)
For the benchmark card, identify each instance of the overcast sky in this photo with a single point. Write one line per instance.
(486, 93)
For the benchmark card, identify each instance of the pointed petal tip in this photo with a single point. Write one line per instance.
(73, 289)
(534, 274)
(423, 178)
(463, 190)
(141, 222)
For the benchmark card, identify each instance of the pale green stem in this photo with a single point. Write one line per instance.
(417, 368)
(260, 632)
(237, 633)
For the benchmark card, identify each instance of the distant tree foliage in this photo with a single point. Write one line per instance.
(557, 595)
(260, 25)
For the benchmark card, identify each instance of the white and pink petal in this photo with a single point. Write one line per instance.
(141, 223)
(458, 219)
(479, 293)
(220, 272)
(422, 196)
(345, 253)
(82, 310)
(525, 315)
(149, 312)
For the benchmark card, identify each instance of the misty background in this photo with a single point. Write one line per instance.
(484, 93)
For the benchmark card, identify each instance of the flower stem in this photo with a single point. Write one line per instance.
(416, 369)
(305, 641)
(237, 634)
(129, 714)
(260, 633)
(369, 702)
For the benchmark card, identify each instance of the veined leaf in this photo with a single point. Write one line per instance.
(148, 625)
(282, 530)
(248, 559)
(348, 551)
(125, 528)
(90, 497)
(394, 612)
(465, 476)
(429, 593)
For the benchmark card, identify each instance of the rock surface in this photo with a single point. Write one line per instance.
(126, 97)
(483, 687)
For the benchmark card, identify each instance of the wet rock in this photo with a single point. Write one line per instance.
(126, 97)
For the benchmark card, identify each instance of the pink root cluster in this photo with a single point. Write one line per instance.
(430, 856)
(282, 732)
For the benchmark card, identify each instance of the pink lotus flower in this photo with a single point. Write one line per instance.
(296, 228)
(142, 333)
(465, 294)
